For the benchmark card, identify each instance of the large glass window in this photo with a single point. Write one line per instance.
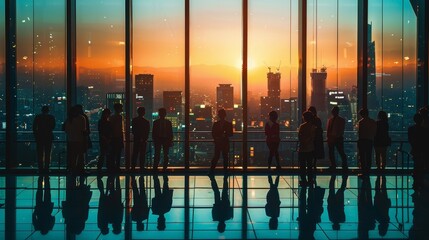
(40, 73)
(272, 75)
(216, 61)
(2, 85)
(158, 66)
(100, 44)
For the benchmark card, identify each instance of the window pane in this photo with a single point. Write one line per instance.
(100, 44)
(2, 85)
(273, 76)
(40, 73)
(216, 53)
(158, 59)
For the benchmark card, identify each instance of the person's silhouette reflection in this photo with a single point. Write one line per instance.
(103, 208)
(420, 227)
(222, 209)
(140, 209)
(76, 207)
(365, 208)
(161, 203)
(336, 203)
(114, 199)
(42, 219)
(310, 210)
(382, 204)
(272, 208)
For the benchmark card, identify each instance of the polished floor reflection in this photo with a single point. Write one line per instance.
(216, 207)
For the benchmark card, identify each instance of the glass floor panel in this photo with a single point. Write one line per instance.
(215, 207)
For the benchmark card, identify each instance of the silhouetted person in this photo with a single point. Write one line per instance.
(424, 112)
(306, 135)
(420, 227)
(141, 128)
(103, 208)
(272, 132)
(88, 142)
(310, 210)
(336, 203)
(116, 207)
(382, 204)
(76, 207)
(43, 125)
(162, 136)
(161, 203)
(416, 137)
(75, 128)
(43, 220)
(117, 143)
(319, 149)
(221, 132)
(366, 219)
(272, 208)
(105, 138)
(381, 140)
(222, 210)
(140, 209)
(366, 131)
(335, 137)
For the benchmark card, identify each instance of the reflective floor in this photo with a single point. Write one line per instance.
(219, 207)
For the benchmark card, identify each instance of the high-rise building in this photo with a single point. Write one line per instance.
(271, 102)
(201, 118)
(113, 98)
(372, 90)
(144, 93)
(318, 88)
(225, 97)
(289, 112)
(337, 98)
(172, 101)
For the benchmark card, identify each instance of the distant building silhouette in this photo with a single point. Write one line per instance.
(289, 112)
(318, 89)
(172, 101)
(271, 102)
(372, 91)
(225, 97)
(144, 93)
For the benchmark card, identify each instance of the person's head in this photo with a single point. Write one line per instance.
(141, 111)
(382, 116)
(80, 108)
(221, 113)
(273, 116)
(313, 110)
(307, 116)
(140, 226)
(118, 108)
(273, 224)
(418, 119)
(336, 227)
(335, 111)
(221, 226)
(105, 113)
(45, 109)
(363, 112)
(162, 112)
(161, 223)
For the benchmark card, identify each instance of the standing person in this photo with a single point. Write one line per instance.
(117, 142)
(75, 128)
(162, 136)
(163, 200)
(43, 220)
(381, 140)
(222, 210)
(43, 125)
(221, 132)
(88, 142)
(335, 135)
(319, 150)
(382, 204)
(366, 131)
(272, 131)
(105, 137)
(140, 209)
(336, 203)
(416, 137)
(306, 135)
(141, 127)
(272, 208)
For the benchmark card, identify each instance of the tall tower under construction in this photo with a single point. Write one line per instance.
(318, 88)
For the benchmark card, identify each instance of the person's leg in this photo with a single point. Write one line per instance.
(48, 149)
(136, 149)
(310, 166)
(165, 150)
(39, 148)
(302, 165)
(331, 148)
(383, 157)
(369, 155)
(361, 154)
(157, 155)
(142, 154)
(101, 157)
(271, 154)
(378, 157)
(276, 154)
(339, 145)
(225, 155)
(215, 157)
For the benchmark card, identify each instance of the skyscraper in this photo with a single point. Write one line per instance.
(144, 93)
(372, 91)
(318, 89)
(172, 101)
(225, 97)
(272, 101)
